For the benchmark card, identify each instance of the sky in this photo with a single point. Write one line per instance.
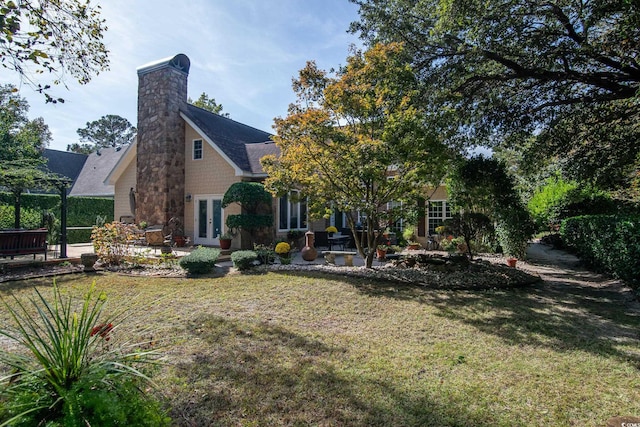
(243, 53)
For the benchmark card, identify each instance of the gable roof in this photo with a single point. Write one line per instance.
(241, 145)
(91, 181)
(257, 151)
(65, 163)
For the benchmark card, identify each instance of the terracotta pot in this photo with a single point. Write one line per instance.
(309, 253)
(511, 262)
(180, 241)
(225, 243)
(382, 254)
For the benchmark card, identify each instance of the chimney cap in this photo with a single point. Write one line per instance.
(179, 62)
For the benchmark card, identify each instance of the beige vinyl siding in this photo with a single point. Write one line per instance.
(209, 175)
(121, 198)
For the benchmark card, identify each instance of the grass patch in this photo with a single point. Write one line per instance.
(288, 349)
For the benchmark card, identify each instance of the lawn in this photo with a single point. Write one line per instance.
(308, 349)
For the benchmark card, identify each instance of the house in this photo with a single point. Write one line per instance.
(91, 179)
(185, 158)
(64, 163)
(87, 172)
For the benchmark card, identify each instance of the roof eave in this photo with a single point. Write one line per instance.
(122, 164)
(237, 170)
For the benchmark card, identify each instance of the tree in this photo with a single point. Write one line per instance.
(472, 226)
(109, 131)
(357, 141)
(255, 203)
(59, 37)
(208, 104)
(481, 185)
(502, 70)
(22, 142)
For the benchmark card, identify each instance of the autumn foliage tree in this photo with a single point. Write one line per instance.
(355, 141)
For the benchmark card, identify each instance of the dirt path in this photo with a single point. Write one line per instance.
(562, 270)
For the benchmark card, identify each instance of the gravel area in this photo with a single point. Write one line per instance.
(485, 273)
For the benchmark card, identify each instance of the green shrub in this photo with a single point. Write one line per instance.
(81, 211)
(244, 260)
(266, 255)
(29, 218)
(559, 199)
(610, 242)
(73, 373)
(200, 261)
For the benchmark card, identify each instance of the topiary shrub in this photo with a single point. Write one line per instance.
(200, 261)
(244, 260)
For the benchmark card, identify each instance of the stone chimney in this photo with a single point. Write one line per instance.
(162, 92)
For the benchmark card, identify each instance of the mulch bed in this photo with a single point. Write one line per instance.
(475, 275)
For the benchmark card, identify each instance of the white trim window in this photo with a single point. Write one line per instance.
(439, 211)
(292, 213)
(197, 149)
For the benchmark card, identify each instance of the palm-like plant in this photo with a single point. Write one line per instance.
(68, 358)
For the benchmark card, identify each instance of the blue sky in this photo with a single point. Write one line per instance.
(243, 53)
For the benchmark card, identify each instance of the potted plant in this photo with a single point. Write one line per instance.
(381, 252)
(331, 229)
(511, 261)
(177, 231)
(225, 240)
(283, 249)
(413, 246)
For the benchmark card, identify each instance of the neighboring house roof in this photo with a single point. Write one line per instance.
(241, 145)
(257, 151)
(65, 163)
(91, 182)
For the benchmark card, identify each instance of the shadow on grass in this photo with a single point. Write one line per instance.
(596, 317)
(259, 374)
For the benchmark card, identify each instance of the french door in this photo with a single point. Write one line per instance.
(208, 220)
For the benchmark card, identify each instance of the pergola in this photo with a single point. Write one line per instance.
(16, 181)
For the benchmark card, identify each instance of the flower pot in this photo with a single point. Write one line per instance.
(511, 262)
(225, 243)
(381, 254)
(88, 260)
(180, 241)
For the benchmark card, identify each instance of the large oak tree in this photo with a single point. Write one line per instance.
(565, 71)
(357, 140)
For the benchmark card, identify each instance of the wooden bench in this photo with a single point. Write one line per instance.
(23, 242)
(330, 257)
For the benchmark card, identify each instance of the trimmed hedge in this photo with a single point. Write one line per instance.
(200, 261)
(81, 212)
(610, 242)
(244, 260)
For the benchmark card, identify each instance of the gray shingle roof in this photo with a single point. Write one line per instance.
(90, 182)
(243, 144)
(65, 163)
